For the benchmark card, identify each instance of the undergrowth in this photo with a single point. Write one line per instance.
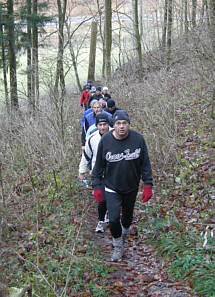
(181, 245)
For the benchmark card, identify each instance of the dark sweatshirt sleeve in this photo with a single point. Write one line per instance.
(98, 169)
(146, 168)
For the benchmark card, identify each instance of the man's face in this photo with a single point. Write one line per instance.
(104, 92)
(96, 108)
(121, 128)
(98, 92)
(103, 127)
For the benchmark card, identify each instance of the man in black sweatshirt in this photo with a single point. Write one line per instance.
(122, 159)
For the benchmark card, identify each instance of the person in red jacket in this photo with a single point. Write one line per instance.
(84, 97)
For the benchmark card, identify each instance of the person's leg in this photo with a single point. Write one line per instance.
(114, 202)
(101, 212)
(127, 213)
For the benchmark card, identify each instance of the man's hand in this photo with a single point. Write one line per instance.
(98, 195)
(147, 193)
(81, 177)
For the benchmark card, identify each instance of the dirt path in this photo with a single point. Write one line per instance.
(140, 273)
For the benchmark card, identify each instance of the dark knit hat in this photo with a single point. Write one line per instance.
(120, 115)
(101, 117)
(110, 103)
(98, 89)
(89, 81)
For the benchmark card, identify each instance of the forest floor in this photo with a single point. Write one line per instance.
(140, 273)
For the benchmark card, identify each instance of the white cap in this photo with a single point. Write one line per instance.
(105, 89)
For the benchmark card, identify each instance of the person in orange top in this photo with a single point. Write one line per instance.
(84, 97)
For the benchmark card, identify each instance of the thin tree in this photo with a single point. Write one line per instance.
(164, 33)
(137, 38)
(60, 55)
(108, 38)
(186, 27)
(35, 72)
(12, 56)
(3, 56)
(169, 32)
(29, 46)
(194, 9)
(92, 55)
(212, 24)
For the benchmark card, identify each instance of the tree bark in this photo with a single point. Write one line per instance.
(92, 55)
(108, 38)
(4, 65)
(165, 24)
(60, 55)
(12, 57)
(29, 47)
(186, 28)
(137, 38)
(169, 32)
(194, 8)
(212, 23)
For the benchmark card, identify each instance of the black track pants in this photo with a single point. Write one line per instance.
(102, 205)
(116, 202)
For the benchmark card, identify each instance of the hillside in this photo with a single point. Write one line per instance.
(48, 217)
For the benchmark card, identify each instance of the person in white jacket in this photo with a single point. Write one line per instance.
(88, 160)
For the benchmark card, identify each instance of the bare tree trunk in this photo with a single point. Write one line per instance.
(212, 24)
(29, 47)
(186, 28)
(102, 35)
(74, 63)
(92, 56)
(108, 38)
(165, 24)
(137, 38)
(141, 19)
(12, 57)
(4, 68)
(169, 32)
(35, 74)
(60, 55)
(194, 8)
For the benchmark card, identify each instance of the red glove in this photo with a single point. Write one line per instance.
(98, 195)
(147, 193)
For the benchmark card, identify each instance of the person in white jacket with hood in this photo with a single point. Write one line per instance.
(88, 160)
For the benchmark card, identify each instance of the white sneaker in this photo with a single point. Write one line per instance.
(106, 220)
(100, 228)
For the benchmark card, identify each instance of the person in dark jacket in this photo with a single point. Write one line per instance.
(111, 106)
(96, 96)
(122, 160)
(88, 84)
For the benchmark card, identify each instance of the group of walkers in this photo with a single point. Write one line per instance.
(116, 158)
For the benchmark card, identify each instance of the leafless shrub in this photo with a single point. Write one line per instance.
(154, 103)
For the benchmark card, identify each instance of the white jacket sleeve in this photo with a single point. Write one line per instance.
(86, 156)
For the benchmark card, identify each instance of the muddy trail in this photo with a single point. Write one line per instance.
(140, 273)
